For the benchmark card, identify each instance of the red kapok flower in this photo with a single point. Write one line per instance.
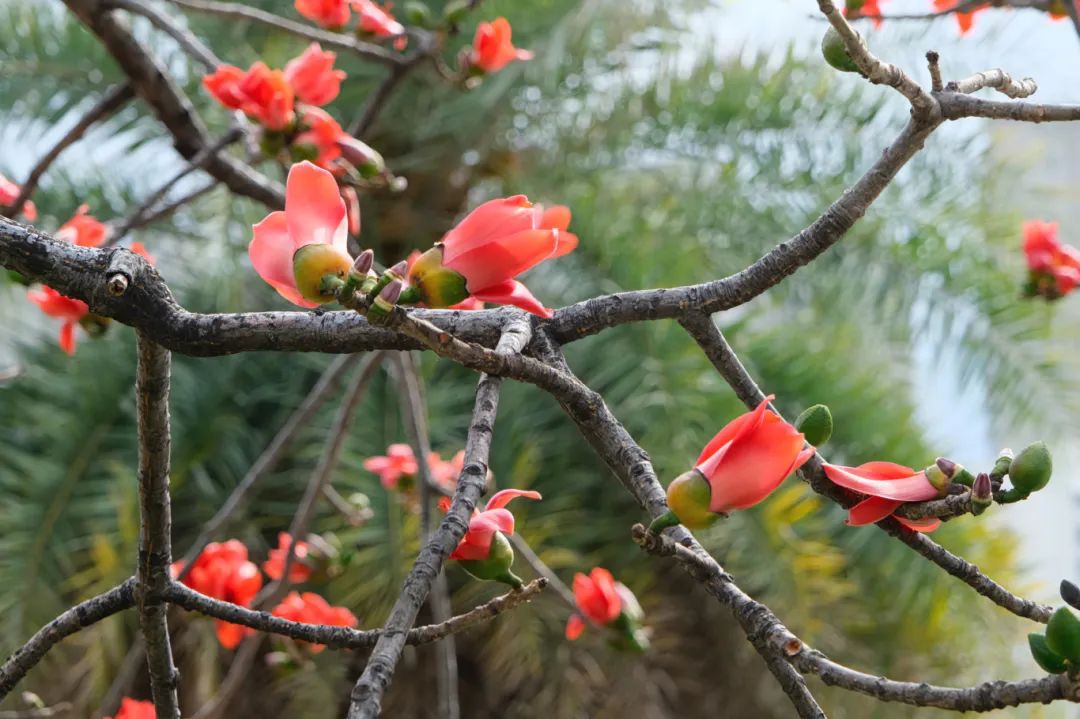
(476, 544)
(83, 229)
(262, 94)
(964, 19)
(222, 571)
(313, 77)
(492, 49)
(739, 467)
(399, 462)
(311, 608)
(597, 598)
(377, 21)
(314, 216)
(134, 709)
(887, 486)
(65, 308)
(1055, 268)
(331, 14)
(480, 257)
(9, 192)
(322, 133)
(274, 565)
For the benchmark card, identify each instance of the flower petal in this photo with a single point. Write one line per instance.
(754, 464)
(314, 208)
(271, 250)
(870, 510)
(920, 525)
(502, 498)
(512, 292)
(575, 625)
(912, 488)
(743, 423)
(504, 258)
(489, 221)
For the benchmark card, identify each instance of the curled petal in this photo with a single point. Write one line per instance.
(870, 510)
(913, 487)
(928, 524)
(512, 292)
(501, 498)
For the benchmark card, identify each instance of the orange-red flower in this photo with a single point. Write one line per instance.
(68, 309)
(314, 215)
(1054, 267)
(274, 565)
(378, 21)
(310, 608)
(964, 19)
(262, 94)
(886, 486)
(598, 600)
(9, 192)
(134, 709)
(476, 544)
(83, 229)
(313, 77)
(480, 257)
(321, 132)
(399, 462)
(223, 571)
(492, 48)
(331, 14)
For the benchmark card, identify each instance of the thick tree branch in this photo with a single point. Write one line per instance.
(955, 106)
(111, 102)
(82, 615)
(336, 40)
(367, 693)
(175, 111)
(155, 526)
(719, 352)
(344, 637)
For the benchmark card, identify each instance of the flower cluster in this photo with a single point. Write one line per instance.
(224, 571)
(1053, 267)
(965, 18)
(373, 20)
(302, 251)
(399, 468)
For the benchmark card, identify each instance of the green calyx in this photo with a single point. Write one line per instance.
(436, 285)
(835, 53)
(629, 635)
(1044, 656)
(319, 270)
(688, 498)
(1031, 469)
(816, 424)
(497, 566)
(1063, 635)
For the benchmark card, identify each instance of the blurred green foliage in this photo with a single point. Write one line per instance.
(680, 164)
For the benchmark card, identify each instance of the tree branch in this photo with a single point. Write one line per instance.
(344, 637)
(192, 45)
(110, 102)
(367, 693)
(997, 79)
(155, 527)
(82, 615)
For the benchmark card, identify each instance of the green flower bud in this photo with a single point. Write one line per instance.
(835, 53)
(938, 479)
(316, 262)
(688, 498)
(497, 565)
(1031, 469)
(1045, 657)
(816, 424)
(1063, 635)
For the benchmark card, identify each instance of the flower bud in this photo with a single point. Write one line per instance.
(386, 299)
(816, 424)
(1031, 469)
(318, 269)
(438, 286)
(954, 471)
(497, 565)
(399, 270)
(1063, 635)
(835, 53)
(982, 493)
(362, 266)
(938, 478)
(1045, 657)
(1070, 593)
(367, 161)
(688, 498)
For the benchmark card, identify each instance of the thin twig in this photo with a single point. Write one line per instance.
(155, 526)
(996, 79)
(344, 637)
(192, 45)
(366, 697)
(82, 615)
(110, 102)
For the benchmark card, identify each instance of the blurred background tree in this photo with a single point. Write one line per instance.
(680, 164)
